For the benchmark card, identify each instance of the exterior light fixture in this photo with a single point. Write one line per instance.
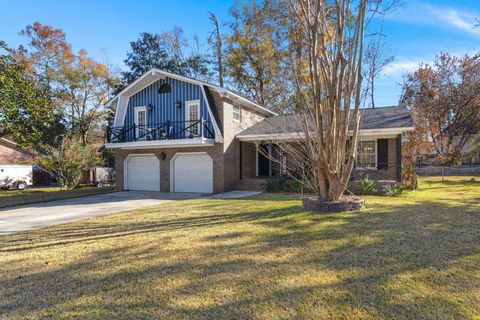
(149, 107)
(178, 104)
(163, 156)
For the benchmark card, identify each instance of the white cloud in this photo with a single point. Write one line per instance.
(438, 16)
(401, 67)
(403, 64)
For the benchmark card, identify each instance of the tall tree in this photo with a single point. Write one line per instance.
(43, 54)
(166, 51)
(256, 52)
(216, 41)
(84, 88)
(78, 85)
(25, 110)
(445, 101)
(145, 53)
(375, 61)
(327, 46)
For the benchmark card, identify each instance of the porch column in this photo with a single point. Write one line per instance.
(399, 157)
(241, 159)
(270, 159)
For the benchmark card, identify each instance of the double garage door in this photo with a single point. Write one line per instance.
(189, 172)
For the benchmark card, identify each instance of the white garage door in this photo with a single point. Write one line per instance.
(192, 172)
(143, 173)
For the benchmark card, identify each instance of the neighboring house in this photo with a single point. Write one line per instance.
(176, 134)
(12, 153)
(470, 156)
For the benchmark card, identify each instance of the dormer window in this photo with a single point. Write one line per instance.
(165, 88)
(237, 113)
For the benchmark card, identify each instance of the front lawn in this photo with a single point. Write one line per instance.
(34, 195)
(412, 257)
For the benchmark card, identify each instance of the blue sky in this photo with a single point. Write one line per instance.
(415, 31)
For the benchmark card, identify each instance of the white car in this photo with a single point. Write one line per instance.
(16, 176)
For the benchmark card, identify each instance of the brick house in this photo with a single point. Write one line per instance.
(12, 153)
(176, 134)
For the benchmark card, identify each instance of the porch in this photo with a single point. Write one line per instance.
(378, 157)
(168, 130)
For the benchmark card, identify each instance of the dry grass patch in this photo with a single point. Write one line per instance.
(412, 257)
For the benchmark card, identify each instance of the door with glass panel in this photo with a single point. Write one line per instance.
(192, 117)
(140, 123)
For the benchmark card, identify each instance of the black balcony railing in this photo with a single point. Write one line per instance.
(161, 131)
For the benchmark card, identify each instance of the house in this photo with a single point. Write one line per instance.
(175, 134)
(470, 157)
(12, 153)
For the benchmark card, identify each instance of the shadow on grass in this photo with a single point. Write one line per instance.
(73, 233)
(277, 263)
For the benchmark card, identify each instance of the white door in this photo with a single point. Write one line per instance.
(142, 173)
(140, 122)
(192, 172)
(192, 116)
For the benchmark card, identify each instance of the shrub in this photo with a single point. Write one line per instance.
(67, 162)
(367, 185)
(296, 186)
(283, 184)
(394, 190)
(276, 184)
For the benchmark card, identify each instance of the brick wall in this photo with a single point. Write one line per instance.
(215, 152)
(10, 154)
(232, 145)
(249, 159)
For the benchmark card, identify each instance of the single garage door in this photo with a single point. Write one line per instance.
(192, 172)
(143, 173)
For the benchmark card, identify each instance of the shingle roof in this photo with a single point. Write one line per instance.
(372, 118)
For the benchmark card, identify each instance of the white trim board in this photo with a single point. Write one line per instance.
(381, 133)
(195, 142)
(216, 129)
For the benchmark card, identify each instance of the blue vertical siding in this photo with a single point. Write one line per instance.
(164, 104)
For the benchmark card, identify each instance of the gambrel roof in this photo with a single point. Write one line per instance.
(121, 99)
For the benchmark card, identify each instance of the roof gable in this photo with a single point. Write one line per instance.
(155, 74)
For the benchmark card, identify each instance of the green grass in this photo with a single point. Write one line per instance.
(416, 256)
(34, 195)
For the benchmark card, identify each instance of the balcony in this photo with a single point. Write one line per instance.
(166, 133)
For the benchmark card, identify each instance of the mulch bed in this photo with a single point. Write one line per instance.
(345, 204)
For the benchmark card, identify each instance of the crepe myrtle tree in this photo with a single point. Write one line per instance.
(329, 75)
(327, 46)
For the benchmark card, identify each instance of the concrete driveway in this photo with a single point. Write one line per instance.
(45, 214)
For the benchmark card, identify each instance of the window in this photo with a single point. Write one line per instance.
(165, 88)
(237, 113)
(367, 154)
(193, 116)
